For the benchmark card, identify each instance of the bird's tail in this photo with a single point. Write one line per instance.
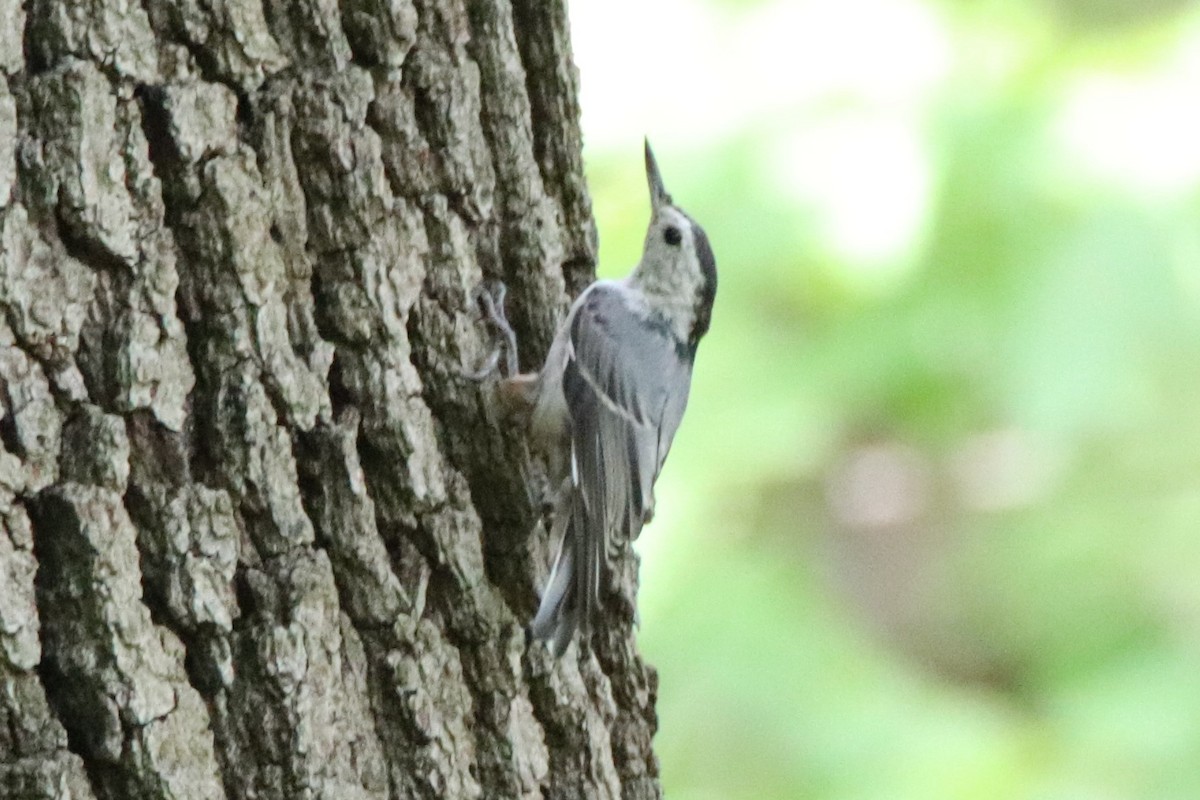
(573, 588)
(556, 620)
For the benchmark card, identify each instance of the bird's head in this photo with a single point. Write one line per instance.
(677, 266)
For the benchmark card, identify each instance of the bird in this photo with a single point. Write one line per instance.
(606, 404)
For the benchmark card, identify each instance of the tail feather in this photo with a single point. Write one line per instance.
(555, 620)
(572, 592)
(582, 514)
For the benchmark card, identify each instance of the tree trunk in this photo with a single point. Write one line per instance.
(260, 538)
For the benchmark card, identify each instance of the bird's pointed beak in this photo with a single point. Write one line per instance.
(658, 192)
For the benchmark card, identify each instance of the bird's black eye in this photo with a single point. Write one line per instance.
(672, 236)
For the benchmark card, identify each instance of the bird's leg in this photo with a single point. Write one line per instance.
(517, 391)
(489, 299)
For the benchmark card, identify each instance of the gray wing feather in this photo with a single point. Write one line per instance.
(626, 384)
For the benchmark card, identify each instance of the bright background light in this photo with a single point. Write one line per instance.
(931, 527)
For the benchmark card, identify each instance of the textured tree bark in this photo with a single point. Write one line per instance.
(260, 538)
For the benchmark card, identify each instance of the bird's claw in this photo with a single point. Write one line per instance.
(486, 369)
(488, 298)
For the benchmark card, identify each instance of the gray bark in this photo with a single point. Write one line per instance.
(258, 537)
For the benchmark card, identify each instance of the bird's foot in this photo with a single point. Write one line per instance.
(488, 298)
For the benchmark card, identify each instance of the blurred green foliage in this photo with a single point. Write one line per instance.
(931, 528)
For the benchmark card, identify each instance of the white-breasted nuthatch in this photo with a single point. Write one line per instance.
(608, 400)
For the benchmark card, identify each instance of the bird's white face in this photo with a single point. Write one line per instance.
(677, 272)
(669, 262)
